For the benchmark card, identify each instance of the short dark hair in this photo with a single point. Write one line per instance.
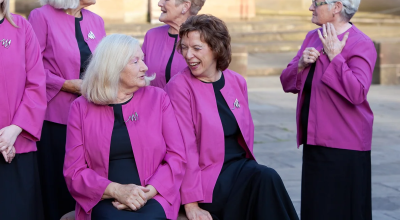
(214, 32)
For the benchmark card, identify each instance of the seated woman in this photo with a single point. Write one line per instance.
(125, 157)
(222, 179)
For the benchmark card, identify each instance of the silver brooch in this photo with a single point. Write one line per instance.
(236, 104)
(133, 117)
(91, 35)
(5, 43)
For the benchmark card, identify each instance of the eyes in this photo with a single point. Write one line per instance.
(196, 48)
(136, 60)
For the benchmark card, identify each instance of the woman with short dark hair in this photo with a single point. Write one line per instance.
(223, 180)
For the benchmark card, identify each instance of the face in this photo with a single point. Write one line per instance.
(320, 14)
(132, 76)
(169, 11)
(198, 55)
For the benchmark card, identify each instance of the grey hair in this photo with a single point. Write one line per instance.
(5, 8)
(195, 6)
(101, 80)
(350, 7)
(61, 4)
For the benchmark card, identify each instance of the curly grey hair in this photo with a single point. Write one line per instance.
(195, 7)
(350, 7)
(61, 4)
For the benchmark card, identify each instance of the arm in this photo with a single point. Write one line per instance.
(168, 177)
(191, 189)
(352, 78)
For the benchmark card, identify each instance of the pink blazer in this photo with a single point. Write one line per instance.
(157, 47)
(156, 143)
(22, 83)
(340, 115)
(197, 113)
(61, 57)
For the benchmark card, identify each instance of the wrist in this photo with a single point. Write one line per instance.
(192, 205)
(17, 129)
(113, 189)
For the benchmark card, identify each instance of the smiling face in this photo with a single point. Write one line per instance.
(198, 55)
(132, 76)
(169, 10)
(321, 14)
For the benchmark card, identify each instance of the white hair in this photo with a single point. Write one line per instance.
(5, 8)
(101, 79)
(350, 7)
(195, 7)
(61, 4)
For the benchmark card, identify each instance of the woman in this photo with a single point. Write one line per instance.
(222, 179)
(67, 34)
(22, 109)
(332, 74)
(133, 158)
(159, 43)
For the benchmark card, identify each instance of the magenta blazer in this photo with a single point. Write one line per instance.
(197, 113)
(61, 57)
(22, 83)
(156, 143)
(157, 48)
(340, 116)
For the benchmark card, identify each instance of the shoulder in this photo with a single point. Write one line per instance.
(180, 80)
(92, 15)
(80, 103)
(154, 32)
(45, 9)
(234, 76)
(20, 21)
(358, 35)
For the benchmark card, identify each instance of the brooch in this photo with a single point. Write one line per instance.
(236, 104)
(5, 43)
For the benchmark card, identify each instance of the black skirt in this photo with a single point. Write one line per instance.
(20, 188)
(336, 184)
(246, 190)
(57, 200)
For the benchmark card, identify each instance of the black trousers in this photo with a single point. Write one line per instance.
(336, 184)
(246, 190)
(51, 152)
(20, 188)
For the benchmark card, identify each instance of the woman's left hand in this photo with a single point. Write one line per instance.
(8, 135)
(150, 194)
(332, 45)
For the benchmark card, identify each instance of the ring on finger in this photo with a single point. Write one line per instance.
(325, 36)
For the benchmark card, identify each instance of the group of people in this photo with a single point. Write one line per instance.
(100, 126)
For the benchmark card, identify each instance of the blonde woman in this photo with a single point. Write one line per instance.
(67, 34)
(22, 109)
(125, 157)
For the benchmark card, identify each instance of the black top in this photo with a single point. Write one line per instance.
(168, 68)
(233, 150)
(122, 167)
(1, 21)
(305, 108)
(83, 47)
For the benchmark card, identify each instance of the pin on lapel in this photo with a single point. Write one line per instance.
(133, 117)
(236, 104)
(5, 43)
(91, 35)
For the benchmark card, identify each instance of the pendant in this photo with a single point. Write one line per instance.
(91, 35)
(5, 43)
(236, 104)
(133, 117)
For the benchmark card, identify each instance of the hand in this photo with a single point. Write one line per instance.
(310, 55)
(120, 206)
(332, 45)
(69, 216)
(72, 86)
(8, 135)
(8, 157)
(194, 212)
(151, 193)
(131, 195)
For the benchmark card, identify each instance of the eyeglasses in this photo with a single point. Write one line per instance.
(317, 4)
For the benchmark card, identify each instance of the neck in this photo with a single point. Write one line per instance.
(124, 95)
(76, 12)
(213, 76)
(175, 25)
(341, 26)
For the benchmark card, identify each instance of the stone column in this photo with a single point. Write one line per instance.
(387, 71)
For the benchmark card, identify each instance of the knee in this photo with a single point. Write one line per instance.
(269, 175)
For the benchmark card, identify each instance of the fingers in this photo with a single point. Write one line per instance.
(5, 156)
(320, 36)
(333, 30)
(142, 191)
(324, 30)
(344, 40)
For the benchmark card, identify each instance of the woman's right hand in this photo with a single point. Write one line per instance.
(194, 212)
(131, 195)
(310, 55)
(72, 86)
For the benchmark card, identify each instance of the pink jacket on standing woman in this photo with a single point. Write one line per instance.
(198, 118)
(55, 31)
(340, 115)
(22, 83)
(156, 143)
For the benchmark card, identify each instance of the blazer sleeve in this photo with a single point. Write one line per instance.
(169, 175)
(351, 77)
(54, 82)
(30, 113)
(191, 190)
(85, 185)
(290, 79)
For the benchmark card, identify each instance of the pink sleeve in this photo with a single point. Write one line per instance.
(54, 82)
(85, 185)
(191, 190)
(352, 77)
(30, 113)
(168, 177)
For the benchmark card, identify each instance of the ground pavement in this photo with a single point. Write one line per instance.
(275, 141)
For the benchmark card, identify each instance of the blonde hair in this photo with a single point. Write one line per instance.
(195, 6)
(101, 80)
(61, 4)
(5, 8)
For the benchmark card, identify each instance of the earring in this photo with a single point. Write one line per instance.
(183, 12)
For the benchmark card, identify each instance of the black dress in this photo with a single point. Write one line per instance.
(123, 170)
(336, 183)
(57, 200)
(245, 190)
(171, 58)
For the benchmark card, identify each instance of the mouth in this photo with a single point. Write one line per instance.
(193, 65)
(163, 10)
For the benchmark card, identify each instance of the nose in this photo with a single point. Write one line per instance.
(189, 54)
(311, 8)
(144, 67)
(161, 3)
